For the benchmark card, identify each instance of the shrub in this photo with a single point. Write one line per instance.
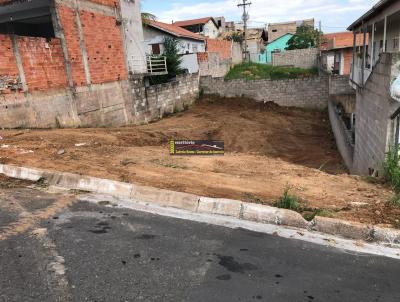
(288, 201)
(392, 169)
(254, 71)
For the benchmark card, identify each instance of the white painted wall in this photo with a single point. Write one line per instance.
(190, 63)
(210, 30)
(155, 36)
(133, 36)
(188, 48)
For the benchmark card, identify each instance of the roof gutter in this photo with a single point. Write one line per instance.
(174, 34)
(375, 9)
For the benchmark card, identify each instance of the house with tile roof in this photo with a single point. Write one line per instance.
(190, 44)
(207, 27)
(337, 52)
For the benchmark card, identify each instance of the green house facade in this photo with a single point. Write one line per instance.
(278, 45)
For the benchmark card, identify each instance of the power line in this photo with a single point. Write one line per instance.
(245, 18)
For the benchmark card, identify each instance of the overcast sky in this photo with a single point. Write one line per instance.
(335, 15)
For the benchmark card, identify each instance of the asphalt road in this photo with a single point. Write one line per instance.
(56, 248)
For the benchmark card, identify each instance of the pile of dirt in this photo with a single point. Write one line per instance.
(268, 148)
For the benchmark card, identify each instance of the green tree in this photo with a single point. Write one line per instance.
(174, 60)
(305, 37)
(235, 37)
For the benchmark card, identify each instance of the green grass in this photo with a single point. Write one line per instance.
(392, 175)
(392, 169)
(248, 197)
(288, 201)
(394, 201)
(253, 71)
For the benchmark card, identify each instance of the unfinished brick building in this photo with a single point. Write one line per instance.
(72, 63)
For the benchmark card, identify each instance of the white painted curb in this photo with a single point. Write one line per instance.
(206, 205)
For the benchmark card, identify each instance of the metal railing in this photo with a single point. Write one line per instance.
(156, 65)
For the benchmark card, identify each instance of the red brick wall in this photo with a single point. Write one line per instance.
(202, 56)
(105, 2)
(8, 65)
(67, 20)
(5, 2)
(104, 46)
(222, 47)
(43, 63)
(348, 59)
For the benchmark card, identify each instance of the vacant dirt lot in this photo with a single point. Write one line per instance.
(268, 148)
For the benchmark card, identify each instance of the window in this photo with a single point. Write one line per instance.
(155, 49)
(396, 44)
(219, 23)
(274, 30)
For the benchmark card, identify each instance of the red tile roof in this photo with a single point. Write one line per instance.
(175, 30)
(340, 40)
(194, 21)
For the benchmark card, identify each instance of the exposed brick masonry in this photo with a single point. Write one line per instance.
(222, 47)
(67, 20)
(43, 63)
(8, 65)
(104, 45)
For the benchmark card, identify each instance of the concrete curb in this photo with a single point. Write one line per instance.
(200, 204)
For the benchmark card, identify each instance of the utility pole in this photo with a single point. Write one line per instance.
(245, 19)
(319, 34)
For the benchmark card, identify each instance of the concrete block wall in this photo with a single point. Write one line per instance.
(339, 84)
(237, 53)
(309, 92)
(165, 99)
(372, 120)
(210, 64)
(111, 104)
(342, 136)
(303, 58)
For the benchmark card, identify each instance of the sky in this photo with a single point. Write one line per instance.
(335, 15)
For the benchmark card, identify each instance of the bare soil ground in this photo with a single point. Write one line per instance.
(268, 148)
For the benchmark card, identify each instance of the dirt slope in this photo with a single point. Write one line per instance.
(268, 147)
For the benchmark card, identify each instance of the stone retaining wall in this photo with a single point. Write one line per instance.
(109, 104)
